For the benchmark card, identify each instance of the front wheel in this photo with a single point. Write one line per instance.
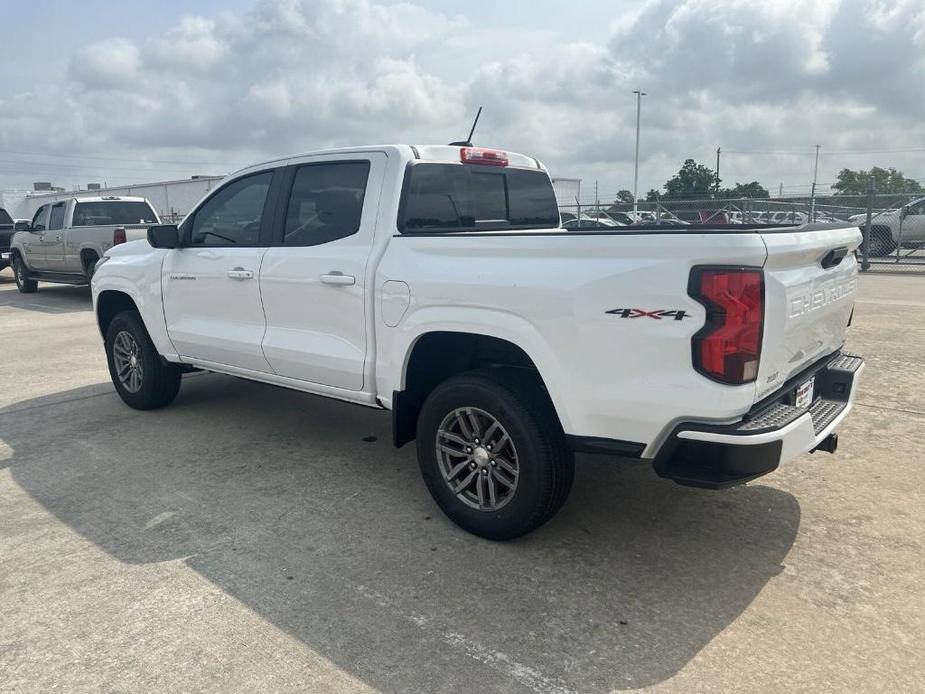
(142, 379)
(21, 273)
(493, 454)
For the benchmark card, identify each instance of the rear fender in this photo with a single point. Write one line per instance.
(393, 367)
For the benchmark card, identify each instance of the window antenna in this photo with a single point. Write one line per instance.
(468, 142)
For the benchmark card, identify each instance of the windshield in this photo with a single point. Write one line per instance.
(460, 197)
(5, 217)
(102, 212)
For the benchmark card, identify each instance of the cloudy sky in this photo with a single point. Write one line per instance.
(140, 91)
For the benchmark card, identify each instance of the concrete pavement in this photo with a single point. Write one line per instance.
(252, 539)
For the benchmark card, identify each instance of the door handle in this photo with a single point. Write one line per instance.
(339, 278)
(239, 273)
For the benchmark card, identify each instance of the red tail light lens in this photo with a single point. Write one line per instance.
(118, 236)
(486, 157)
(728, 347)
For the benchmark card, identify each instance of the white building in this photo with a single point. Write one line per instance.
(172, 199)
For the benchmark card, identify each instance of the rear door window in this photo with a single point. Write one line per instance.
(326, 202)
(461, 197)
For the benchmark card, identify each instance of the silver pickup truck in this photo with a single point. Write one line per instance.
(67, 237)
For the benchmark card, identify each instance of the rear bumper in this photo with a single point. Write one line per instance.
(774, 432)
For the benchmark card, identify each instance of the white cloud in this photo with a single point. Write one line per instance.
(292, 75)
(110, 64)
(193, 44)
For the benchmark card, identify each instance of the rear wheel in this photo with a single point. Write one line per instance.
(142, 379)
(89, 263)
(21, 273)
(492, 453)
(881, 242)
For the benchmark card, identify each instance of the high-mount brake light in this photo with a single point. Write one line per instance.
(486, 157)
(728, 347)
(118, 236)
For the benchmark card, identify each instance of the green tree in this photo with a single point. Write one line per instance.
(885, 181)
(693, 180)
(624, 196)
(653, 195)
(746, 190)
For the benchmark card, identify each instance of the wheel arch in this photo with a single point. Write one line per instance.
(87, 252)
(434, 356)
(110, 303)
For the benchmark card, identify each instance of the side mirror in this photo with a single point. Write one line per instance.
(21, 226)
(164, 236)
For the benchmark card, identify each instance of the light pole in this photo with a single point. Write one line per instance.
(639, 96)
(812, 199)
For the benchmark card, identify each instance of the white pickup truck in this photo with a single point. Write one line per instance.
(66, 238)
(434, 282)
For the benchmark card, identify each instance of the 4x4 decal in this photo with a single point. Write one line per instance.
(657, 314)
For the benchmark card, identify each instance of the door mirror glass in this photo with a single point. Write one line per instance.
(21, 226)
(164, 236)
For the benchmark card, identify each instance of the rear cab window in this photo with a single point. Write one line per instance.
(104, 212)
(449, 197)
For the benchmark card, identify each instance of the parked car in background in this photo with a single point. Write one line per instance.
(7, 224)
(669, 218)
(435, 282)
(888, 229)
(596, 218)
(625, 218)
(576, 224)
(66, 238)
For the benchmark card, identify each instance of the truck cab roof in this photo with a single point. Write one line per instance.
(110, 198)
(426, 153)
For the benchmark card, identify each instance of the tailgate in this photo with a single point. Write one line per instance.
(136, 232)
(809, 295)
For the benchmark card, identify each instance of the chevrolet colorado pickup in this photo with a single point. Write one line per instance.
(434, 282)
(66, 238)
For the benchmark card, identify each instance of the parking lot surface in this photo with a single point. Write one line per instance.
(254, 539)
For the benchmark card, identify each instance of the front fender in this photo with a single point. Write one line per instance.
(138, 277)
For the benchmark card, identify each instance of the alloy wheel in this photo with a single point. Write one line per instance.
(477, 458)
(126, 356)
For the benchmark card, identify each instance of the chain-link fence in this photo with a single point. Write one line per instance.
(893, 224)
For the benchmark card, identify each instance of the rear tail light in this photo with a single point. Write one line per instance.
(728, 348)
(118, 236)
(486, 157)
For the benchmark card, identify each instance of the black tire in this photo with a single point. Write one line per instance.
(21, 273)
(518, 402)
(881, 242)
(89, 263)
(158, 382)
